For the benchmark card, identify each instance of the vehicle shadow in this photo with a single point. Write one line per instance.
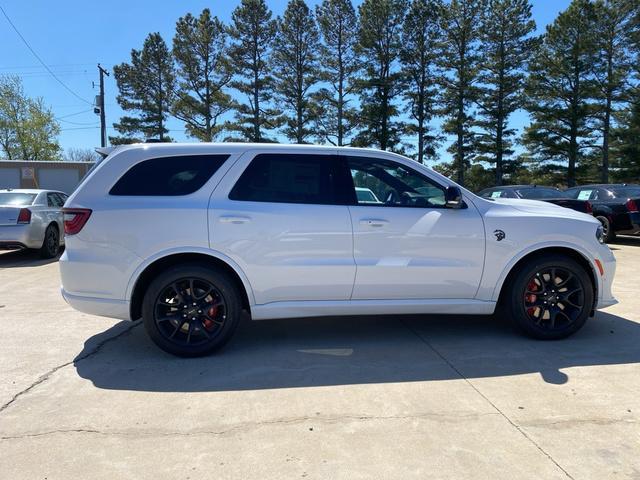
(24, 258)
(363, 350)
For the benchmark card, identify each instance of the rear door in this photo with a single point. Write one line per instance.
(408, 245)
(280, 217)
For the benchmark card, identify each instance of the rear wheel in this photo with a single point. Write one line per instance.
(609, 234)
(191, 310)
(551, 297)
(51, 243)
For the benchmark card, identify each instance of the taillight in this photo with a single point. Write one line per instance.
(74, 219)
(24, 216)
(589, 208)
(631, 206)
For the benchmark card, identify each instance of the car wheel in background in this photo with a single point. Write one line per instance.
(190, 310)
(609, 234)
(550, 297)
(51, 242)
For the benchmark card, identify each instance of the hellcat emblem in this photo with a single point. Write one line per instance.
(499, 234)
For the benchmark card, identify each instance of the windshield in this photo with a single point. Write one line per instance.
(17, 198)
(537, 192)
(626, 191)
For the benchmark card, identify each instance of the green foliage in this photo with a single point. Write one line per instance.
(419, 54)
(28, 129)
(200, 51)
(460, 61)
(626, 145)
(253, 32)
(507, 46)
(561, 88)
(295, 67)
(613, 62)
(146, 88)
(335, 116)
(380, 42)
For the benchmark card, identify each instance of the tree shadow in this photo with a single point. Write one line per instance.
(25, 258)
(361, 350)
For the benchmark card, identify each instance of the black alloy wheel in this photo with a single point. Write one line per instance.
(550, 297)
(191, 310)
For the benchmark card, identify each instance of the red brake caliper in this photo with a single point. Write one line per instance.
(212, 312)
(531, 297)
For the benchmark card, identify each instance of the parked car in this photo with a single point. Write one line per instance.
(32, 219)
(535, 192)
(185, 236)
(615, 205)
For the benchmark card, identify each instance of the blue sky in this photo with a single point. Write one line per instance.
(72, 36)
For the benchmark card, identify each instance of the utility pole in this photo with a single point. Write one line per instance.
(100, 108)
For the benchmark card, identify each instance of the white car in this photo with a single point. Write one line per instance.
(32, 219)
(185, 236)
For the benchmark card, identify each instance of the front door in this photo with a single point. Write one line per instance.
(407, 244)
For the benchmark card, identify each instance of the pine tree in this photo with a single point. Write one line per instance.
(561, 89)
(379, 36)
(612, 66)
(146, 88)
(507, 46)
(626, 144)
(253, 32)
(419, 54)
(295, 67)
(460, 59)
(335, 118)
(203, 70)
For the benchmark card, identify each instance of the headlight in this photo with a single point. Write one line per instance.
(600, 234)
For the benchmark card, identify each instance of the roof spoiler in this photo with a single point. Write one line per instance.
(104, 151)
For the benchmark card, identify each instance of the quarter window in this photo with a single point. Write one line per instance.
(168, 176)
(384, 183)
(287, 178)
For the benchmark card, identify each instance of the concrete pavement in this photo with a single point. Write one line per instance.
(380, 397)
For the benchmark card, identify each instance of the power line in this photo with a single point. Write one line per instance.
(40, 60)
(74, 114)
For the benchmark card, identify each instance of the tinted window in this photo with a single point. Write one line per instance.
(537, 192)
(287, 178)
(168, 176)
(17, 198)
(53, 200)
(393, 184)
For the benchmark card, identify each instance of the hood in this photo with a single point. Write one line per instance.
(543, 208)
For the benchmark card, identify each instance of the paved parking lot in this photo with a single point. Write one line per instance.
(381, 397)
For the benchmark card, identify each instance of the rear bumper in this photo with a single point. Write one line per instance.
(101, 307)
(19, 236)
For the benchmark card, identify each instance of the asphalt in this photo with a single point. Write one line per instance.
(379, 397)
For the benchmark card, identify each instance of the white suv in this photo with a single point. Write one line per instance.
(188, 236)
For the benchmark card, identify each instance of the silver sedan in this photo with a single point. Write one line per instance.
(32, 219)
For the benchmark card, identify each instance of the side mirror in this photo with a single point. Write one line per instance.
(453, 197)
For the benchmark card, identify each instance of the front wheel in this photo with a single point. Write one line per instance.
(191, 310)
(551, 297)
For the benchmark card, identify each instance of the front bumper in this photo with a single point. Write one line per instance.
(605, 294)
(19, 236)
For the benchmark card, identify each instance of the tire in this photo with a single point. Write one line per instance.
(544, 308)
(51, 243)
(185, 322)
(609, 234)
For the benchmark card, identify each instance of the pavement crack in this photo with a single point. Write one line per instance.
(493, 405)
(251, 425)
(43, 378)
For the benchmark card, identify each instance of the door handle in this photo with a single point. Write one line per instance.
(235, 219)
(374, 222)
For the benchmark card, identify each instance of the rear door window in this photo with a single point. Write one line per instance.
(168, 176)
(288, 178)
